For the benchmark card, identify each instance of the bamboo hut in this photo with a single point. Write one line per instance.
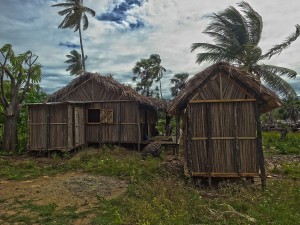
(221, 108)
(92, 109)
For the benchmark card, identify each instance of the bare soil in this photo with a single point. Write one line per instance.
(70, 189)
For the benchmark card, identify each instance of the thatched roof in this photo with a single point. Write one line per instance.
(92, 87)
(267, 100)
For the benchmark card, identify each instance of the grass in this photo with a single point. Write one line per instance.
(273, 144)
(156, 195)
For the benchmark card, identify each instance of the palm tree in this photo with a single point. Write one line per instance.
(75, 14)
(178, 81)
(158, 70)
(237, 35)
(75, 61)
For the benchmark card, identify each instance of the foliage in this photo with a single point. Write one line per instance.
(178, 83)
(156, 195)
(148, 70)
(75, 17)
(237, 35)
(74, 59)
(18, 74)
(290, 110)
(274, 144)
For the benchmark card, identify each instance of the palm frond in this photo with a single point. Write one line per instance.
(65, 5)
(277, 49)
(238, 24)
(89, 11)
(276, 83)
(65, 11)
(280, 71)
(254, 23)
(85, 22)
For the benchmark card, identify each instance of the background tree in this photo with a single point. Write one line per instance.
(290, 110)
(75, 61)
(147, 71)
(75, 16)
(178, 83)
(18, 73)
(237, 35)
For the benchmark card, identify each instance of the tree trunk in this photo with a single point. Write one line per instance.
(82, 52)
(10, 134)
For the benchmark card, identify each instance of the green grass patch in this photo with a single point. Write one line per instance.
(273, 144)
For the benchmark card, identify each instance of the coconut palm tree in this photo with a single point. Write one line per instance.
(178, 81)
(236, 35)
(75, 61)
(75, 16)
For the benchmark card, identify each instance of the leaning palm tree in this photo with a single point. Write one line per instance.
(237, 35)
(75, 61)
(75, 15)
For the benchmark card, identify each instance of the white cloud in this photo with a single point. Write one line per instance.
(171, 26)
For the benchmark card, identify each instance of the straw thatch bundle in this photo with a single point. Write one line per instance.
(92, 87)
(267, 100)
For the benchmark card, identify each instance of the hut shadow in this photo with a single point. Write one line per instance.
(221, 182)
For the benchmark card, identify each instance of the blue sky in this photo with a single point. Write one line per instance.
(124, 31)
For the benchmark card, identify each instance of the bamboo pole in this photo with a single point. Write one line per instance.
(189, 139)
(119, 125)
(261, 159)
(139, 127)
(177, 133)
(48, 131)
(236, 141)
(208, 142)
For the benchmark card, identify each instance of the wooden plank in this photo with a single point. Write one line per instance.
(195, 174)
(223, 138)
(222, 101)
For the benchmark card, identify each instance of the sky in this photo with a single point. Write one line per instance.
(125, 31)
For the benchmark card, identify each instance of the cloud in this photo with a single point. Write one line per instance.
(69, 45)
(119, 14)
(131, 30)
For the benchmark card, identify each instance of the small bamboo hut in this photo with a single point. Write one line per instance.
(220, 108)
(92, 109)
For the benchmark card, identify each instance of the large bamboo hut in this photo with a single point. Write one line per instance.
(92, 109)
(221, 107)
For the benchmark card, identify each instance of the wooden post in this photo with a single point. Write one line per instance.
(189, 140)
(260, 153)
(119, 125)
(176, 150)
(29, 134)
(236, 141)
(139, 127)
(48, 130)
(208, 142)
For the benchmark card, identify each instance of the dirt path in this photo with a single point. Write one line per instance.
(70, 189)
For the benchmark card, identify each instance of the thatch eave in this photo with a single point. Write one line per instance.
(267, 100)
(124, 92)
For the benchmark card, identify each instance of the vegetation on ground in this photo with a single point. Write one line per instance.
(159, 193)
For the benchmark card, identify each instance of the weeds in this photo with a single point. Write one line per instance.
(273, 144)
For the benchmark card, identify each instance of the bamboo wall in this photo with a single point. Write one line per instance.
(221, 131)
(124, 127)
(64, 126)
(55, 127)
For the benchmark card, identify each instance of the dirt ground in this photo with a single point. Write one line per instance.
(69, 189)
